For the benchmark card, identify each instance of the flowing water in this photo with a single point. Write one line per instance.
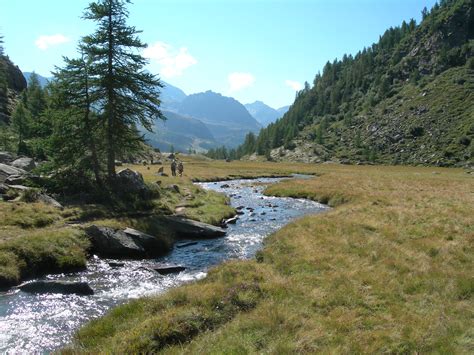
(41, 323)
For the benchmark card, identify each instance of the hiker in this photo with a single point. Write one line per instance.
(173, 167)
(180, 168)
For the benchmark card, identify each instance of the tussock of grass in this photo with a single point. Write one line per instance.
(389, 270)
(28, 215)
(151, 324)
(41, 251)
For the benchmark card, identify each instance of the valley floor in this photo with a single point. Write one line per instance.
(389, 269)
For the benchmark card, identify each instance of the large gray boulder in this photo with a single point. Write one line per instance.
(6, 157)
(51, 286)
(24, 163)
(108, 242)
(131, 180)
(7, 171)
(153, 246)
(182, 227)
(128, 243)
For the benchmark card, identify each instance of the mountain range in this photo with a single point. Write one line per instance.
(265, 114)
(202, 121)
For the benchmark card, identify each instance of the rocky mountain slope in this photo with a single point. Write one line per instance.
(12, 82)
(407, 99)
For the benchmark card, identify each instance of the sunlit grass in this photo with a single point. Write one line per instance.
(389, 269)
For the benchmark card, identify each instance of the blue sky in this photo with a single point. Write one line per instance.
(251, 50)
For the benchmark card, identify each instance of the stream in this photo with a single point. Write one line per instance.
(44, 322)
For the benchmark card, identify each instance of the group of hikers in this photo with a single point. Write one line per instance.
(177, 164)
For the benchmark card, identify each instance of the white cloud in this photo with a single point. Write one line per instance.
(239, 81)
(44, 42)
(172, 61)
(294, 85)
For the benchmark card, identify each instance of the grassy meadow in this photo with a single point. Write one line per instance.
(36, 238)
(388, 270)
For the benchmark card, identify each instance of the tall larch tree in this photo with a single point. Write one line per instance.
(128, 95)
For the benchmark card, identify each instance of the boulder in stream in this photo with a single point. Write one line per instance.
(186, 228)
(127, 243)
(52, 286)
(113, 243)
(165, 269)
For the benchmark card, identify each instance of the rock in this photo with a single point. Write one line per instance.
(173, 187)
(131, 180)
(118, 163)
(161, 170)
(153, 246)
(24, 163)
(225, 186)
(49, 200)
(128, 243)
(180, 210)
(240, 207)
(50, 286)
(15, 180)
(188, 229)
(116, 264)
(184, 245)
(240, 213)
(165, 269)
(6, 157)
(7, 171)
(162, 174)
(171, 156)
(249, 209)
(19, 187)
(263, 213)
(232, 220)
(111, 243)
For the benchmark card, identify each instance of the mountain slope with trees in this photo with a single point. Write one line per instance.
(406, 99)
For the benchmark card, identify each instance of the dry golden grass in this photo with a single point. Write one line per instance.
(389, 270)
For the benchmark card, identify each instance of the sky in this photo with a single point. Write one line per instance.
(251, 50)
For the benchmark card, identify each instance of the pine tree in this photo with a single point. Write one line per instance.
(129, 95)
(74, 95)
(21, 124)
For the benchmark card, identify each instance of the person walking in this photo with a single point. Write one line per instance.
(180, 168)
(173, 168)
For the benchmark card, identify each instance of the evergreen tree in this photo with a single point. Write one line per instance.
(128, 94)
(75, 136)
(21, 124)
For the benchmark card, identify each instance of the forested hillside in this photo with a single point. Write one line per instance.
(406, 99)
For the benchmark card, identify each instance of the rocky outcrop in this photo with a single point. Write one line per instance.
(24, 163)
(6, 171)
(50, 286)
(128, 243)
(6, 157)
